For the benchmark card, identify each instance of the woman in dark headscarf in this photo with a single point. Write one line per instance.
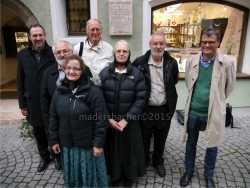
(124, 90)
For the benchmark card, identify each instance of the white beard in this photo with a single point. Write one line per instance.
(61, 62)
(157, 55)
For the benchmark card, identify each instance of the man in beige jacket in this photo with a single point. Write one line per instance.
(210, 78)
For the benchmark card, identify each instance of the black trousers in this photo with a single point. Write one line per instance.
(42, 143)
(158, 123)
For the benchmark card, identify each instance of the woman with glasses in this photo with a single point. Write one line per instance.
(124, 90)
(75, 132)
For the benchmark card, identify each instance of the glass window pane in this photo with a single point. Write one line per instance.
(78, 14)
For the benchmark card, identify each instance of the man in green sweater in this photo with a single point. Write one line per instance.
(210, 78)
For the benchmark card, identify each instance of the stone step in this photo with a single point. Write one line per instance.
(10, 113)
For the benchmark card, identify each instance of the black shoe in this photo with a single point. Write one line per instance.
(116, 183)
(58, 164)
(209, 182)
(43, 165)
(160, 170)
(128, 182)
(147, 163)
(185, 179)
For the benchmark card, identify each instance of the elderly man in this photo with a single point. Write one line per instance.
(210, 78)
(161, 74)
(32, 62)
(95, 52)
(61, 50)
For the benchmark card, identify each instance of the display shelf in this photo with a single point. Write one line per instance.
(172, 35)
(190, 33)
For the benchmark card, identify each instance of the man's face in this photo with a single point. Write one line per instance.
(61, 52)
(157, 46)
(37, 37)
(94, 32)
(209, 45)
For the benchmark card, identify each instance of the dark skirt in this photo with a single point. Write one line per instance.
(82, 169)
(125, 152)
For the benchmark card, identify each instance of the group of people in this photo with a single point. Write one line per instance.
(101, 110)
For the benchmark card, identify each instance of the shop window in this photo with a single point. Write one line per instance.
(183, 24)
(77, 13)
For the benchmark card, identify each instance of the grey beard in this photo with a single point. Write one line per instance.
(61, 62)
(156, 54)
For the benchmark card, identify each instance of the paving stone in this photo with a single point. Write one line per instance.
(231, 184)
(52, 180)
(240, 184)
(22, 185)
(8, 180)
(231, 167)
(32, 184)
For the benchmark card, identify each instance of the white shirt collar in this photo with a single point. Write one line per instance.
(124, 71)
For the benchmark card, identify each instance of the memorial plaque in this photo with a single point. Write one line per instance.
(120, 17)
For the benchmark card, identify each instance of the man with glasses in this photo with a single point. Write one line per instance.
(210, 78)
(96, 53)
(61, 50)
(161, 75)
(32, 62)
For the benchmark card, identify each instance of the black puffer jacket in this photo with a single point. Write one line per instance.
(125, 100)
(78, 124)
(170, 76)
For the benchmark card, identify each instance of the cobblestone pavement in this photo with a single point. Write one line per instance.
(19, 161)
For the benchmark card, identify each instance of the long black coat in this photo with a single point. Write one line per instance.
(170, 76)
(48, 87)
(125, 100)
(29, 77)
(78, 124)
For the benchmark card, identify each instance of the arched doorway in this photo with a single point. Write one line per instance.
(14, 14)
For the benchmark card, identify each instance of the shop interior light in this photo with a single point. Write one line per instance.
(225, 8)
(172, 8)
(199, 5)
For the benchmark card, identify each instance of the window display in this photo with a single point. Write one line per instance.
(183, 24)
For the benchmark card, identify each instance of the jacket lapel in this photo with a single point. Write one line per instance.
(30, 60)
(195, 70)
(215, 80)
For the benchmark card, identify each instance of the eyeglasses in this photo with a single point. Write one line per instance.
(121, 51)
(207, 42)
(159, 43)
(63, 51)
(95, 29)
(75, 69)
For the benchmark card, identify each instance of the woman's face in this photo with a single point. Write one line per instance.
(73, 70)
(121, 53)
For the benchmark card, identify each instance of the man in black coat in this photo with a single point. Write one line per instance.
(32, 61)
(161, 75)
(61, 49)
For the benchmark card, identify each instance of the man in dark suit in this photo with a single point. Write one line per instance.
(61, 49)
(161, 75)
(32, 62)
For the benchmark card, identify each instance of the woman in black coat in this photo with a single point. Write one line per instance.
(78, 125)
(124, 90)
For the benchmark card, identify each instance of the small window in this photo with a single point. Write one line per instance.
(78, 13)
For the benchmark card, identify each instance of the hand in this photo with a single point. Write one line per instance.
(97, 151)
(114, 125)
(24, 111)
(56, 148)
(122, 124)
